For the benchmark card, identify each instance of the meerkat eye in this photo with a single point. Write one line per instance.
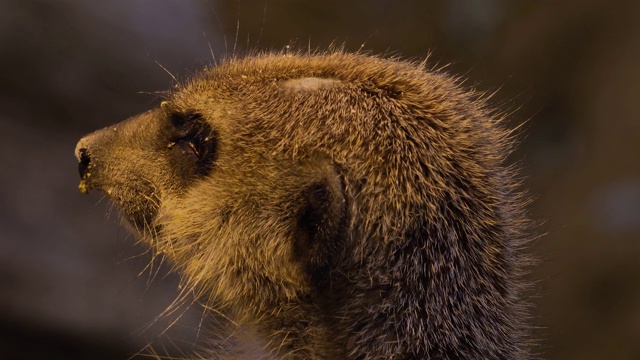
(192, 135)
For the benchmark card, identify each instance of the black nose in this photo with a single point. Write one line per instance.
(83, 162)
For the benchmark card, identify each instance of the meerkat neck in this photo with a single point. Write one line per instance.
(297, 330)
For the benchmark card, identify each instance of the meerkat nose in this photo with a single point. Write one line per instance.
(84, 160)
(81, 148)
(83, 157)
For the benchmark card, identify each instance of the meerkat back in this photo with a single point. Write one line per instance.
(333, 206)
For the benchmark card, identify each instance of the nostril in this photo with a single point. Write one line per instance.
(84, 161)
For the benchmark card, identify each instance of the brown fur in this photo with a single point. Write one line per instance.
(333, 206)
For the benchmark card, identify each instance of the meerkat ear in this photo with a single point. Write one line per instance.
(320, 225)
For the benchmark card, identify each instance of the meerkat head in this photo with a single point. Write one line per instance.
(216, 179)
(361, 196)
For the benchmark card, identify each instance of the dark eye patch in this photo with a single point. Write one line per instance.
(195, 138)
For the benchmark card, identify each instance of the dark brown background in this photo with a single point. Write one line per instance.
(69, 274)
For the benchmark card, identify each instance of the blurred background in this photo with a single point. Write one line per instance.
(75, 284)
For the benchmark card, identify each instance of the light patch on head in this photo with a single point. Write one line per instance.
(309, 84)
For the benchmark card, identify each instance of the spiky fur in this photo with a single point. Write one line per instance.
(357, 208)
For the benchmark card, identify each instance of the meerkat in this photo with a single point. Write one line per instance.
(332, 206)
